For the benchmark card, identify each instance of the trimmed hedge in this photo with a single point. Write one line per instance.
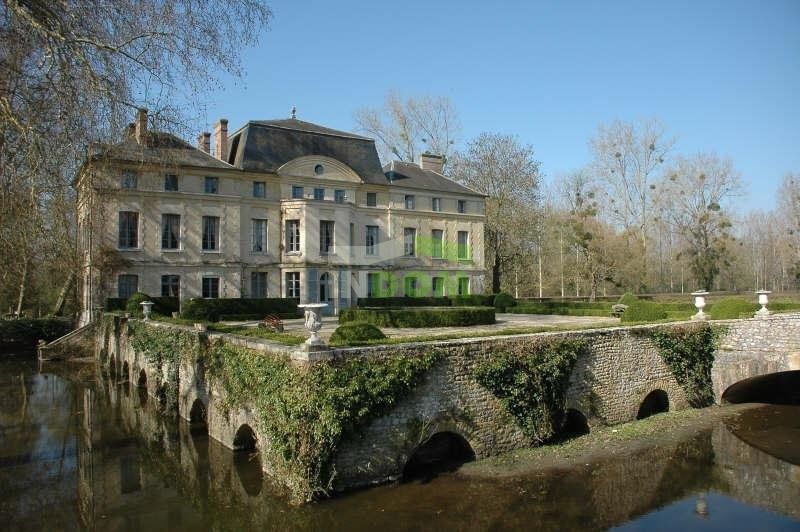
(473, 300)
(255, 308)
(28, 331)
(503, 301)
(732, 308)
(576, 308)
(421, 317)
(356, 332)
(162, 305)
(643, 311)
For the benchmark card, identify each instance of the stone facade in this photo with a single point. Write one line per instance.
(608, 385)
(159, 216)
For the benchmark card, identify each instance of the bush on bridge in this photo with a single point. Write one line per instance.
(641, 310)
(305, 412)
(732, 308)
(356, 332)
(531, 382)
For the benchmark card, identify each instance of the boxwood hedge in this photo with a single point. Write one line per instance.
(420, 317)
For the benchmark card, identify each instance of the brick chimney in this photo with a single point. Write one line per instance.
(221, 139)
(204, 141)
(429, 161)
(140, 125)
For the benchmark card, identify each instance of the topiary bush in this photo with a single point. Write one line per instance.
(503, 301)
(133, 304)
(643, 311)
(732, 308)
(356, 332)
(420, 317)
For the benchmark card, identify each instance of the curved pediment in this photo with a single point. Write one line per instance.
(319, 167)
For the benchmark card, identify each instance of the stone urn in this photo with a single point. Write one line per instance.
(763, 300)
(700, 304)
(313, 322)
(147, 309)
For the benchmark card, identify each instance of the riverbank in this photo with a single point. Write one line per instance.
(604, 442)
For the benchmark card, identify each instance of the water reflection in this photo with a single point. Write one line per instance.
(86, 451)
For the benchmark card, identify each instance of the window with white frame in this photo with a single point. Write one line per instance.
(438, 287)
(259, 243)
(293, 285)
(258, 284)
(297, 192)
(436, 204)
(462, 206)
(128, 230)
(409, 241)
(170, 231)
(437, 247)
(210, 233)
(259, 189)
(170, 286)
(463, 286)
(171, 183)
(129, 180)
(373, 284)
(371, 243)
(372, 199)
(211, 287)
(212, 185)
(292, 236)
(410, 202)
(411, 285)
(463, 245)
(338, 196)
(319, 193)
(326, 228)
(127, 285)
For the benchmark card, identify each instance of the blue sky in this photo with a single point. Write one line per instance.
(723, 76)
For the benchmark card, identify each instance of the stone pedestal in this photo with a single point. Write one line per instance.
(700, 304)
(313, 323)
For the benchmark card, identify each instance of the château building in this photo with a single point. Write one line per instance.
(281, 208)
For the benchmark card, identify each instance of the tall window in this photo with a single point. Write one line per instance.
(372, 240)
(325, 237)
(259, 244)
(258, 284)
(128, 230)
(171, 183)
(211, 287)
(437, 236)
(319, 194)
(293, 285)
(463, 286)
(410, 201)
(259, 189)
(297, 192)
(210, 233)
(462, 206)
(129, 180)
(292, 236)
(463, 245)
(212, 185)
(411, 287)
(373, 284)
(338, 196)
(409, 241)
(170, 286)
(127, 285)
(436, 204)
(325, 288)
(438, 287)
(372, 199)
(170, 231)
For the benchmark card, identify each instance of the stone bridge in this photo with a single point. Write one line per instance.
(621, 374)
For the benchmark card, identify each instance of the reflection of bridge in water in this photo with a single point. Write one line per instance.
(139, 468)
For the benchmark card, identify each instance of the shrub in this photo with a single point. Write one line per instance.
(241, 308)
(133, 305)
(566, 308)
(428, 317)
(28, 331)
(627, 299)
(356, 332)
(503, 301)
(473, 300)
(386, 302)
(732, 308)
(643, 311)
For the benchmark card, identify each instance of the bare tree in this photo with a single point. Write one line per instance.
(406, 127)
(789, 211)
(506, 171)
(693, 198)
(628, 158)
(71, 73)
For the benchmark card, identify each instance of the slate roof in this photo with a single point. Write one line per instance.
(410, 175)
(160, 148)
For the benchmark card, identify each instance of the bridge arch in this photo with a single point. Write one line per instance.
(781, 387)
(655, 402)
(198, 417)
(125, 371)
(141, 382)
(247, 461)
(575, 424)
(443, 451)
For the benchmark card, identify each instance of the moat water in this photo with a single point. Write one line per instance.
(80, 451)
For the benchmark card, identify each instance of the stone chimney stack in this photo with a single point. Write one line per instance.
(429, 161)
(204, 141)
(140, 126)
(221, 139)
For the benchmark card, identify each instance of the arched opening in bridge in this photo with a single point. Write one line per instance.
(161, 395)
(112, 366)
(575, 425)
(247, 460)
(442, 452)
(125, 371)
(781, 388)
(198, 418)
(656, 402)
(142, 382)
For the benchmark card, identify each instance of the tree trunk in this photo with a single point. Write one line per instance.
(540, 273)
(496, 275)
(62, 296)
(22, 283)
